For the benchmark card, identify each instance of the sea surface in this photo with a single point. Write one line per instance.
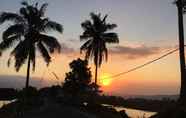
(4, 102)
(134, 113)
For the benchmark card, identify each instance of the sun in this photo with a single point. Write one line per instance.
(105, 79)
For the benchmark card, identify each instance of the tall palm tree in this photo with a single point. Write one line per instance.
(181, 5)
(29, 32)
(97, 34)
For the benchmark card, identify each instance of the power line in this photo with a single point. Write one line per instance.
(55, 75)
(133, 69)
(145, 64)
(52, 73)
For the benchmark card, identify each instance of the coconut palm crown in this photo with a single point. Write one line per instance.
(96, 35)
(28, 31)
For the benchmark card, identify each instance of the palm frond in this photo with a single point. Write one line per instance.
(110, 37)
(7, 16)
(24, 12)
(17, 29)
(50, 42)
(43, 8)
(53, 26)
(85, 45)
(84, 37)
(88, 53)
(8, 42)
(88, 30)
(20, 54)
(86, 25)
(96, 18)
(104, 19)
(96, 35)
(28, 24)
(33, 11)
(44, 52)
(24, 2)
(110, 26)
(87, 35)
(97, 22)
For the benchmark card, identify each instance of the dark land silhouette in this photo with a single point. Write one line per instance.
(77, 96)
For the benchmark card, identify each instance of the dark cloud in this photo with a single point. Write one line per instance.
(135, 52)
(126, 51)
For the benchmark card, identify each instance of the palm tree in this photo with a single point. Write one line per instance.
(29, 32)
(97, 34)
(181, 5)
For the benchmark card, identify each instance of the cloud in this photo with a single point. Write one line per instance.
(135, 52)
(73, 40)
(70, 50)
(66, 49)
(130, 51)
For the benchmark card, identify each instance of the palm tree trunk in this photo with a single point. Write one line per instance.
(96, 74)
(181, 52)
(28, 73)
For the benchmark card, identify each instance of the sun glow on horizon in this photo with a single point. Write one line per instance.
(105, 79)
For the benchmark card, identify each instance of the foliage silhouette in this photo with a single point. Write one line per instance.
(29, 30)
(97, 34)
(79, 78)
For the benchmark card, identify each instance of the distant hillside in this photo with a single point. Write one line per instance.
(153, 97)
(11, 81)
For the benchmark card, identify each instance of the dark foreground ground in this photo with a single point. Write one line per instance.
(173, 111)
(57, 110)
(55, 103)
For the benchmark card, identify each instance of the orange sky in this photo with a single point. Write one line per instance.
(161, 77)
(146, 28)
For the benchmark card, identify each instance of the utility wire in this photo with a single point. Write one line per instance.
(133, 69)
(55, 75)
(145, 64)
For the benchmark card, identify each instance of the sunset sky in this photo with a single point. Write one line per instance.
(147, 29)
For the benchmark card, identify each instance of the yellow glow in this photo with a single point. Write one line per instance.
(105, 79)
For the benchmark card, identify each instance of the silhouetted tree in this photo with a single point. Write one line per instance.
(181, 5)
(29, 29)
(79, 78)
(96, 34)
